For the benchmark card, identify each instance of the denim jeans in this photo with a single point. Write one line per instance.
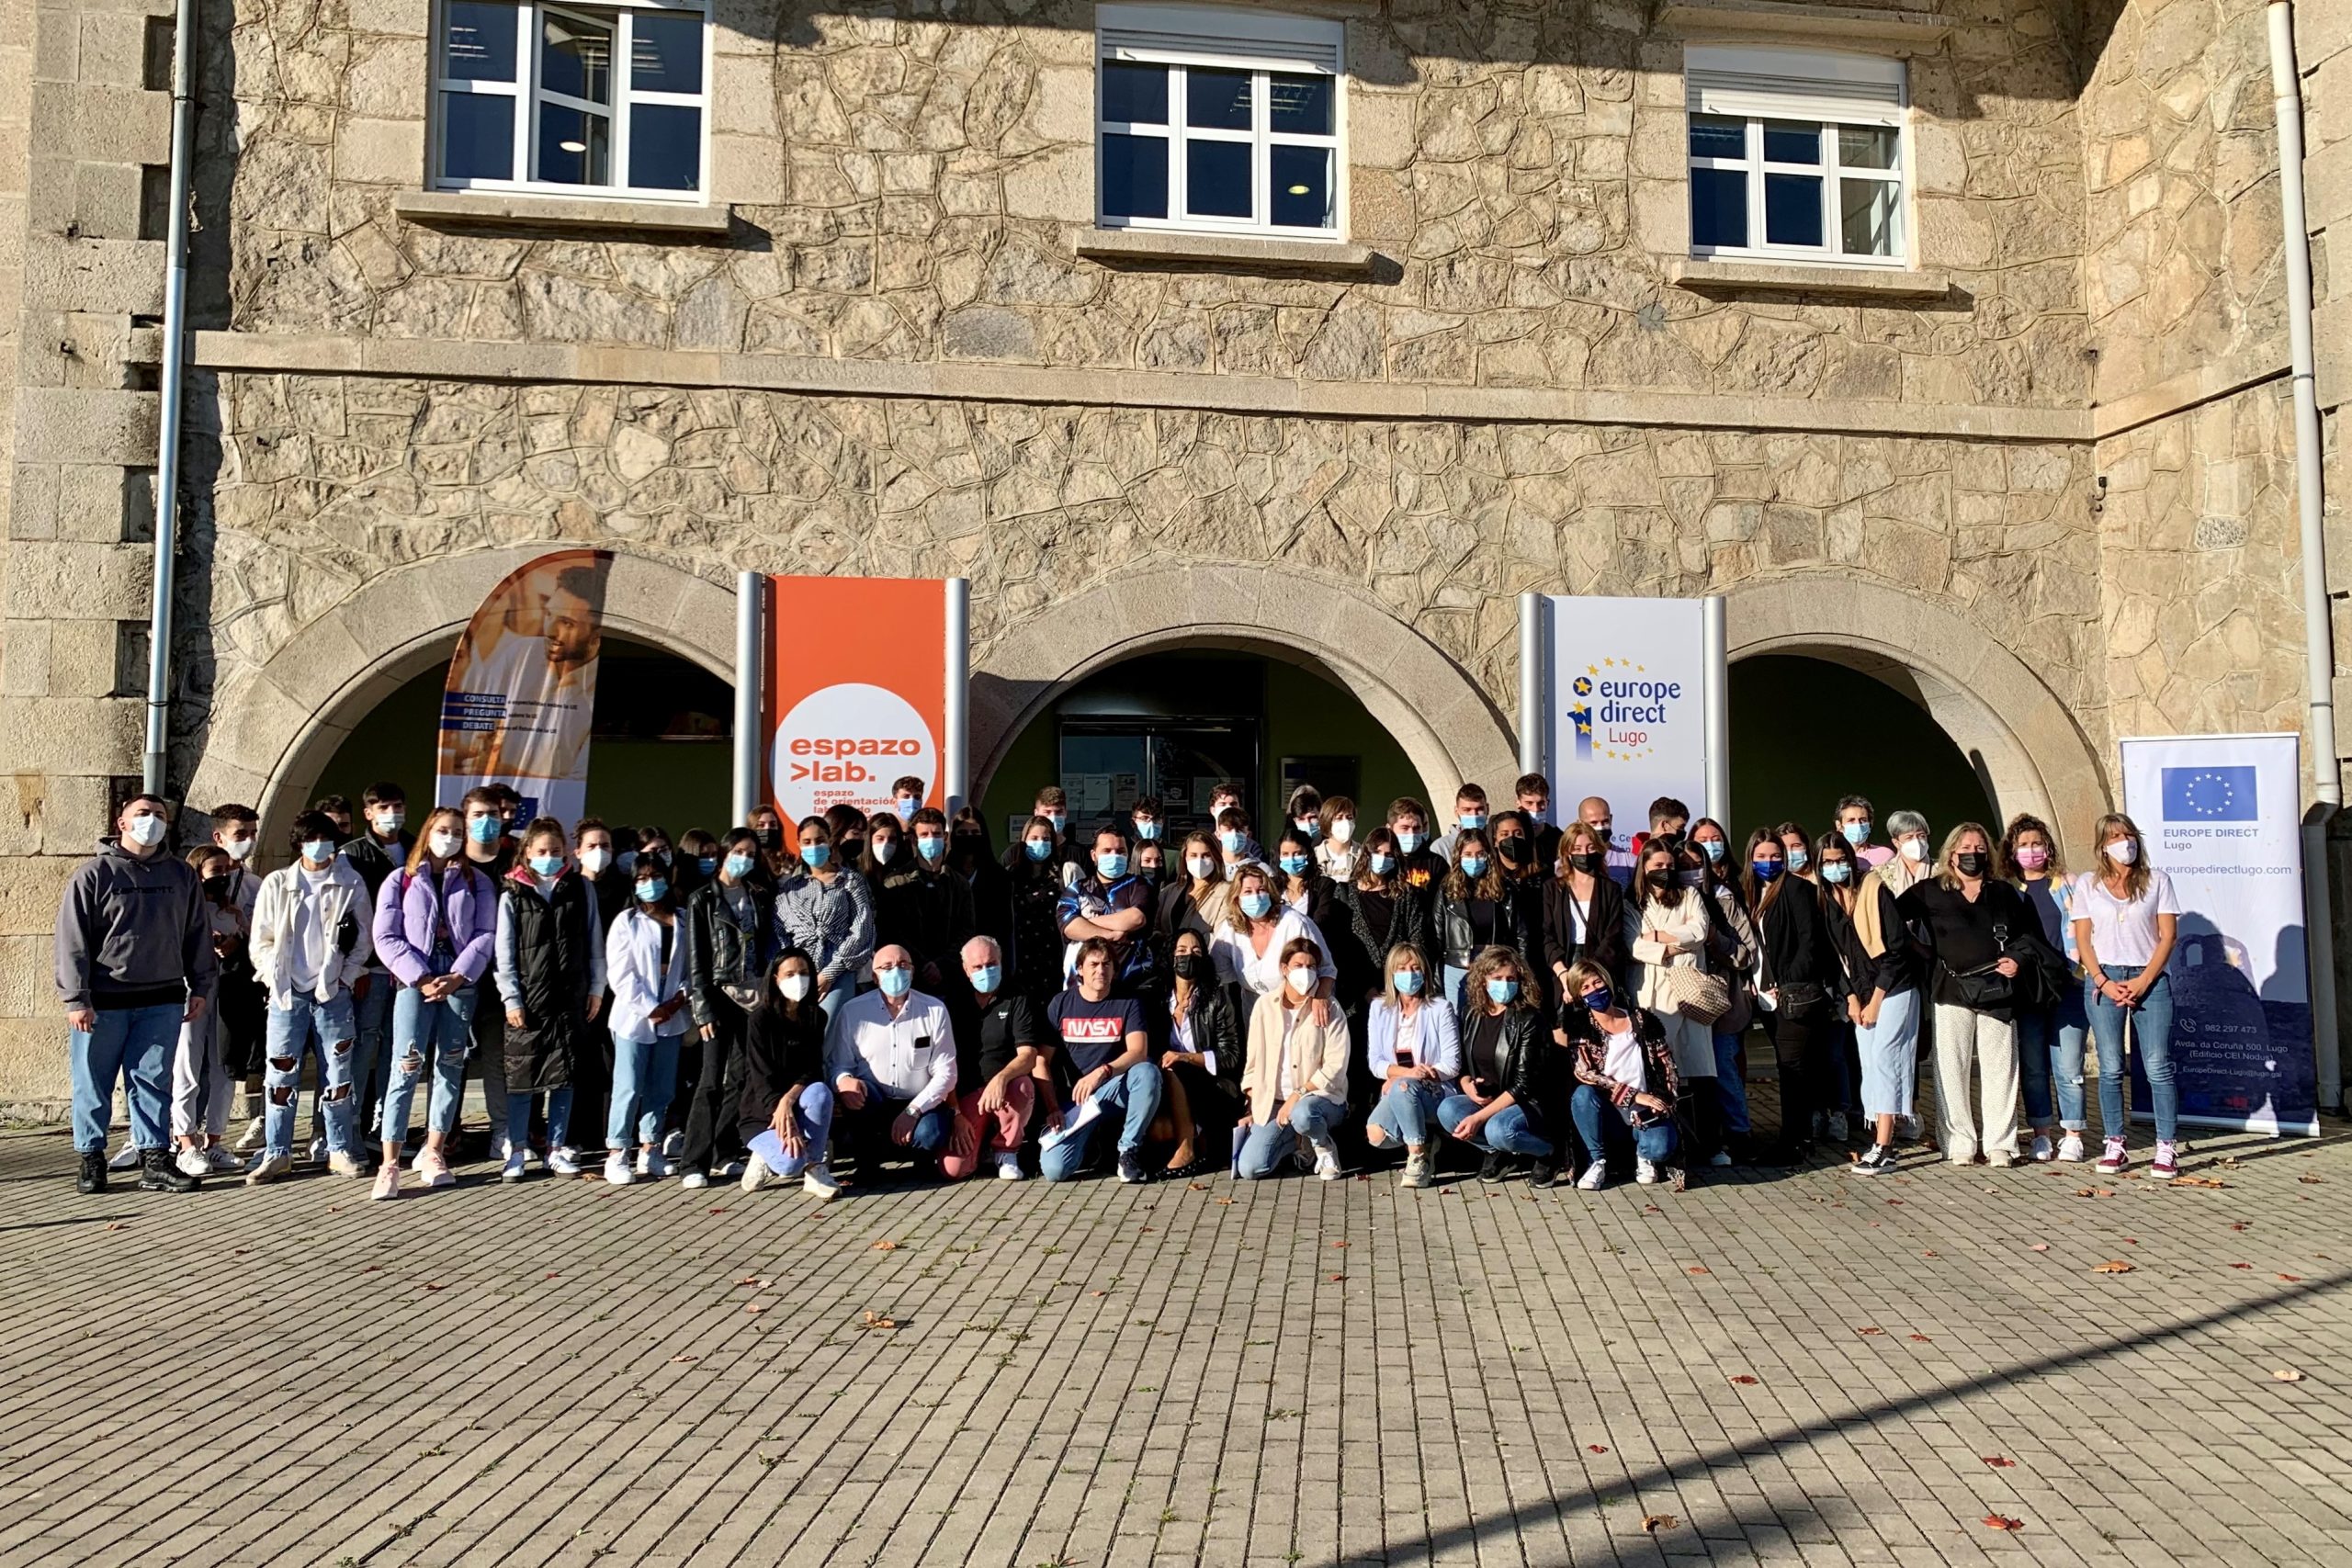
(866, 1130)
(134, 1045)
(2150, 1037)
(813, 1115)
(1458, 986)
(1269, 1143)
(1890, 1056)
(1506, 1132)
(518, 1118)
(309, 1024)
(1605, 1133)
(1406, 1110)
(1730, 1087)
(1134, 1092)
(644, 1077)
(370, 1060)
(427, 1033)
(2050, 1057)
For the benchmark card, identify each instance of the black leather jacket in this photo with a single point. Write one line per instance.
(1217, 1025)
(1527, 1065)
(722, 953)
(1518, 925)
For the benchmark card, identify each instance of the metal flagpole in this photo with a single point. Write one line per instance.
(748, 586)
(956, 748)
(1716, 644)
(1531, 683)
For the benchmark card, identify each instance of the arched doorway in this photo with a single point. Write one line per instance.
(1785, 707)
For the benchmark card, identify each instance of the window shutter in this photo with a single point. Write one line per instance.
(1218, 37)
(1794, 83)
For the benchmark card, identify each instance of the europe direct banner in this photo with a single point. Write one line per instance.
(522, 690)
(2222, 816)
(1627, 712)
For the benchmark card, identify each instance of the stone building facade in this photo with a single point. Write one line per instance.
(2043, 470)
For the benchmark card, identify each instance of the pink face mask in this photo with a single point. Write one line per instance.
(2032, 857)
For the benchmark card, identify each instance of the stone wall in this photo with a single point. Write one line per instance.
(906, 185)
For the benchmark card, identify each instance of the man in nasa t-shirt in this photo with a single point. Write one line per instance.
(1103, 1061)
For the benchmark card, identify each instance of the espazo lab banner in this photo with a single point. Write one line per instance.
(1626, 705)
(2223, 814)
(522, 686)
(857, 695)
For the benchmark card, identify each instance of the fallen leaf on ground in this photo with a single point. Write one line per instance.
(2039, 1246)
(1226, 1201)
(1098, 1292)
(2288, 1374)
(1919, 1339)
(2241, 1265)
(876, 1320)
(1701, 1269)
(1339, 1243)
(2112, 1266)
(2003, 1522)
(753, 1306)
(1657, 1522)
(2308, 1179)
(681, 1360)
(752, 1279)
(2291, 1279)
(2197, 1182)
(886, 1246)
(1337, 1278)
(1870, 1331)
(2239, 1225)
(1598, 1448)
(719, 1211)
(116, 1225)
(433, 1285)
(1926, 1255)
(1998, 1463)
(1743, 1378)
(1197, 1186)
(1896, 1202)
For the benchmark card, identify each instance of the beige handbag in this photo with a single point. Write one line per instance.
(1694, 994)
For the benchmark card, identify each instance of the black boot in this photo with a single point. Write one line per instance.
(158, 1174)
(92, 1177)
(1542, 1172)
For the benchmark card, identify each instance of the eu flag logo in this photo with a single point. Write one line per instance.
(2209, 795)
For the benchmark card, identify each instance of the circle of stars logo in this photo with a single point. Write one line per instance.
(2211, 794)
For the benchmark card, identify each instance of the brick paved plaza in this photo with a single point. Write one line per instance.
(1801, 1369)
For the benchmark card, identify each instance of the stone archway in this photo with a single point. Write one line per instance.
(2031, 754)
(275, 727)
(1446, 725)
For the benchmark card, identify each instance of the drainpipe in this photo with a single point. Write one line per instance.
(167, 456)
(2319, 652)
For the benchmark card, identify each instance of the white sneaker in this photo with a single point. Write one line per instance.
(126, 1157)
(317, 1152)
(1327, 1162)
(499, 1148)
(694, 1181)
(616, 1170)
(2042, 1151)
(673, 1146)
(652, 1165)
(729, 1171)
(1595, 1178)
(819, 1183)
(2070, 1149)
(191, 1162)
(1008, 1164)
(268, 1167)
(645, 1158)
(345, 1163)
(251, 1141)
(515, 1166)
(219, 1161)
(755, 1174)
(1646, 1172)
(564, 1161)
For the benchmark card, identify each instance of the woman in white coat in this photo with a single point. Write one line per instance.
(1666, 929)
(645, 963)
(1249, 943)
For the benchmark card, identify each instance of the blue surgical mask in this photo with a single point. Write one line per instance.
(1797, 859)
(1601, 1000)
(1471, 820)
(1408, 841)
(1857, 833)
(1060, 819)
(1502, 992)
(546, 866)
(1147, 828)
(1307, 825)
(1255, 905)
(1837, 873)
(1230, 839)
(485, 830)
(987, 978)
(1382, 863)
(709, 864)
(1474, 866)
(1765, 870)
(906, 809)
(1037, 849)
(651, 890)
(739, 865)
(1713, 850)
(318, 849)
(1295, 864)
(1111, 865)
(816, 856)
(1408, 982)
(931, 848)
(895, 983)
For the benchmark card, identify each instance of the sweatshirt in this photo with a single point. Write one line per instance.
(133, 931)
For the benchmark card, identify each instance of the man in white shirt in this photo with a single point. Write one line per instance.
(891, 1055)
(311, 938)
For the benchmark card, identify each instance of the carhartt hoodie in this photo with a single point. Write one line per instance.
(133, 931)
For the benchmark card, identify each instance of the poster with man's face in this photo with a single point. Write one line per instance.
(522, 687)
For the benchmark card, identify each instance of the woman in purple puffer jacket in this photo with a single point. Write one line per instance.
(436, 922)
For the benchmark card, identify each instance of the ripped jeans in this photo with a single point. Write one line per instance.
(309, 1024)
(428, 1036)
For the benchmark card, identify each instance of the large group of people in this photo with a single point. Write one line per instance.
(815, 1002)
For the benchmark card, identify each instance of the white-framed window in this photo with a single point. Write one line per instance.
(1796, 155)
(1218, 120)
(575, 100)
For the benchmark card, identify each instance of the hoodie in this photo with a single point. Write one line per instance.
(133, 931)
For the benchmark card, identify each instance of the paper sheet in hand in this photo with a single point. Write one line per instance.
(1079, 1116)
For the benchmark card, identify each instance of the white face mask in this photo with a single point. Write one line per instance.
(1301, 978)
(239, 848)
(146, 831)
(594, 861)
(444, 843)
(1200, 866)
(389, 823)
(2123, 852)
(1342, 829)
(1915, 850)
(883, 850)
(795, 988)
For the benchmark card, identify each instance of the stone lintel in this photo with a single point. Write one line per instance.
(1147, 247)
(1783, 20)
(1704, 274)
(522, 210)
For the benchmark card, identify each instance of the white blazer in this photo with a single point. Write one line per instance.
(640, 983)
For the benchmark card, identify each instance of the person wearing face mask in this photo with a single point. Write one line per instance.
(1299, 883)
(1064, 855)
(489, 850)
(383, 844)
(1202, 1066)
(1840, 875)
(1303, 814)
(1879, 963)
(645, 962)
(1295, 1070)
(596, 855)
(1469, 813)
(1797, 974)
(972, 857)
(1196, 893)
(906, 797)
(1478, 907)
(1975, 925)
(1668, 929)
(1507, 1101)
(202, 1091)
(1584, 908)
(1513, 837)
(436, 930)
(828, 912)
(1114, 905)
(890, 1056)
(1151, 864)
(313, 933)
(786, 1119)
(1234, 840)
(1001, 1053)
(1853, 819)
(240, 1002)
(850, 827)
(766, 824)
(1532, 794)
(551, 974)
(2051, 1029)
(1796, 850)
(1627, 1089)
(2126, 920)
(919, 904)
(1422, 868)
(1709, 867)
(1249, 947)
(696, 862)
(1912, 861)
(1146, 821)
(1413, 1050)
(1595, 813)
(1033, 876)
(732, 924)
(1336, 849)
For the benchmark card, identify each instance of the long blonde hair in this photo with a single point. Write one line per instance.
(2136, 874)
(1946, 873)
(417, 850)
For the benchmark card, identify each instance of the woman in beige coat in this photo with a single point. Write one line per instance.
(1667, 928)
(1295, 1072)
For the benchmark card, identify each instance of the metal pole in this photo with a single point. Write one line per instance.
(1717, 709)
(749, 587)
(1531, 683)
(955, 747)
(167, 455)
(2319, 648)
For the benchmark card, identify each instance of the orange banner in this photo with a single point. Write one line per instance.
(856, 690)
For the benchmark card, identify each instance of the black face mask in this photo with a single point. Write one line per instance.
(1150, 874)
(1662, 878)
(1590, 862)
(1513, 851)
(850, 849)
(962, 844)
(1193, 967)
(1971, 863)
(770, 839)
(217, 887)
(1667, 840)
